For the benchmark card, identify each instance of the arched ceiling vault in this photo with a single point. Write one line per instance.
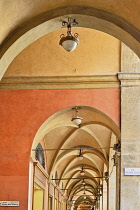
(82, 195)
(80, 200)
(72, 194)
(51, 20)
(81, 187)
(89, 181)
(76, 172)
(78, 167)
(70, 153)
(76, 175)
(57, 120)
(87, 194)
(78, 186)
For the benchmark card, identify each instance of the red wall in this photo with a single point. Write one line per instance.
(22, 113)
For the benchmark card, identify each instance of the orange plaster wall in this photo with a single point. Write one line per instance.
(22, 113)
(14, 188)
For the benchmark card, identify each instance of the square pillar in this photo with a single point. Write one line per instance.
(130, 128)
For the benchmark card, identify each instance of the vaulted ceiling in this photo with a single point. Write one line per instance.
(15, 13)
(97, 53)
(64, 141)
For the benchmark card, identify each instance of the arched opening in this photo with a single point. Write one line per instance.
(69, 181)
(51, 20)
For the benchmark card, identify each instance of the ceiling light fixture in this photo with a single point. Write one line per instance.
(69, 42)
(84, 194)
(83, 182)
(82, 172)
(76, 119)
(80, 156)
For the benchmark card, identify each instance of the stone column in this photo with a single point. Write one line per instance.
(101, 205)
(130, 128)
(105, 195)
(112, 190)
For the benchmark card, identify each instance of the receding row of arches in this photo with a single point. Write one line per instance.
(78, 159)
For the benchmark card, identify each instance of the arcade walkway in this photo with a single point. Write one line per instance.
(47, 160)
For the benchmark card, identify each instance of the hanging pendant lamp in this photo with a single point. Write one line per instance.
(69, 42)
(76, 119)
(80, 156)
(82, 172)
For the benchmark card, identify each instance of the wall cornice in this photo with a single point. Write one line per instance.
(59, 82)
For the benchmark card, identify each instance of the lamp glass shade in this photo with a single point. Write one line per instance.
(69, 45)
(82, 173)
(77, 120)
(80, 157)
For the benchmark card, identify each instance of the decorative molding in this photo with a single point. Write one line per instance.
(59, 82)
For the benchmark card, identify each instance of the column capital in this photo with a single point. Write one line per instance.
(118, 153)
(125, 76)
(129, 79)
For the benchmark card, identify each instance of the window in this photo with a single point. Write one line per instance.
(39, 155)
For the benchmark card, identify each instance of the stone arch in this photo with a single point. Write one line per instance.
(51, 20)
(63, 152)
(45, 127)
